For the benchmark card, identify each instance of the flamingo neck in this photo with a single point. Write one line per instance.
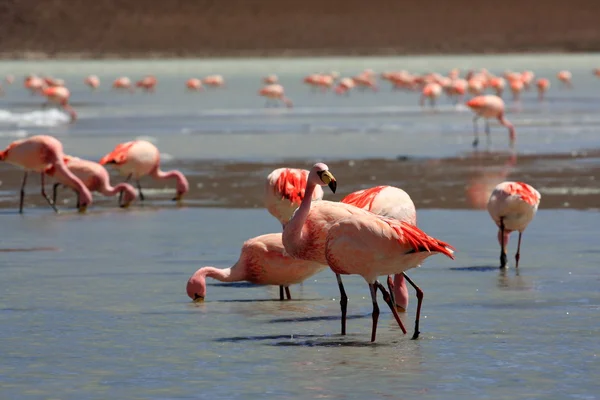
(294, 227)
(182, 183)
(400, 291)
(511, 128)
(232, 274)
(84, 194)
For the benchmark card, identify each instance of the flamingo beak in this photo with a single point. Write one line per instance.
(198, 298)
(328, 179)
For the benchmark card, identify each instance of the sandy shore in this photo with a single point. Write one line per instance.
(156, 28)
(564, 180)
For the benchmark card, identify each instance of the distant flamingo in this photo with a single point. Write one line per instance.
(92, 81)
(490, 106)
(275, 93)
(94, 176)
(9, 79)
(147, 83)
(194, 84)
(123, 83)
(354, 241)
(60, 95)
(263, 261)
(270, 79)
(475, 86)
(516, 87)
(139, 158)
(527, 78)
(543, 85)
(431, 91)
(40, 154)
(565, 78)
(596, 72)
(498, 84)
(391, 202)
(284, 191)
(214, 81)
(344, 86)
(34, 84)
(512, 206)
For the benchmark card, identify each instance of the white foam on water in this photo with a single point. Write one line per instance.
(41, 118)
(14, 134)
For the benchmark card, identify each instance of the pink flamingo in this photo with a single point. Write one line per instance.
(490, 106)
(275, 93)
(512, 206)
(194, 84)
(498, 84)
(543, 85)
(596, 72)
(9, 79)
(139, 158)
(284, 191)
(263, 261)
(147, 83)
(214, 81)
(34, 84)
(516, 87)
(565, 78)
(123, 83)
(344, 86)
(94, 176)
(432, 91)
(355, 241)
(92, 81)
(391, 202)
(270, 79)
(41, 154)
(60, 95)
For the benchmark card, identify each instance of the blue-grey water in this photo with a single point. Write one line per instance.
(94, 306)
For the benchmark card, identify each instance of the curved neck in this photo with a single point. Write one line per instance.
(158, 174)
(232, 274)
(108, 190)
(293, 228)
(511, 128)
(74, 182)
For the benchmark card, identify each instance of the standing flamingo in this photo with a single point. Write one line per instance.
(354, 241)
(543, 85)
(512, 206)
(284, 191)
(40, 154)
(92, 81)
(214, 81)
(565, 78)
(94, 176)
(490, 106)
(194, 84)
(60, 95)
(147, 83)
(432, 91)
(344, 86)
(123, 83)
(270, 79)
(275, 93)
(139, 158)
(263, 261)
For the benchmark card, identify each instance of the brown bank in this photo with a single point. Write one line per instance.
(142, 28)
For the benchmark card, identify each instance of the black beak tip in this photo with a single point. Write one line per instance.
(333, 186)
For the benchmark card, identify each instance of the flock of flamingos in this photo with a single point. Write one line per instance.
(371, 233)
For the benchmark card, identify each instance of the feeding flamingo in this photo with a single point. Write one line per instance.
(284, 191)
(490, 106)
(432, 91)
(92, 81)
(543, 85)
(565, 78)
(122, 83)
(60, 95)
(354, 241)
(262, 261)
(214, 81)
(95, 177)
(512, 206)
(498, 84)
(139, 158)
(344, 86)
(147, 83)
(194, 84)
(275, 93)
(40, 154)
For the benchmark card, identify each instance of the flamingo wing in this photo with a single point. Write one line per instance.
(118, 155)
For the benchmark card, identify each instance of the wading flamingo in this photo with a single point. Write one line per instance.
(431, 91)
(344, 86)
(543, 85)
(284, 191)
(194, 84)
(34, 84)
(40, 154)
(391, 202)
(490, 106)
(263, 261)
(92, 81)
(516, 87)
(565, 78)
(512, 206)
(122, 83)
(60, 95)
(94, 176)
(214, 81)
(355, 241)
(147, 83)
(139, 158)
(275, 93)
(498, 84)
(270, 79)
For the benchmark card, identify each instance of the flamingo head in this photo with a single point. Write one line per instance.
(320, 175)
(196, 287)
(129, 195)
(182, 186)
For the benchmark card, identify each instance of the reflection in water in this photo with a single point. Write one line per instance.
(481, 185)
(516, 282)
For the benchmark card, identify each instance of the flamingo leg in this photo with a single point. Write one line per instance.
(475, 132)
(288, 295)
(280, 293)
(375, 314)
(77, 205)
(55, 192)
(139, 189)
(487, 133)
(121, 194)
(388, 299)
(22, 197)
(390, 285)
(48, 199)
(419, 303)
(503, 245)
(518, 255)
(343, 302)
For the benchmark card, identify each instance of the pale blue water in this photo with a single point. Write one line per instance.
(100, 311)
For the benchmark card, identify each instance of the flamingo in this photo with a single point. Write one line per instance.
(498, 84)
(490, 106)
(355, 241)
(60, 95)
(275, 93)
(392, 202)
(596, 72)
(512, 206)
(344, 86)
(565, 78)
(92, 81)
(543, 85)
(94, 176)
(432, 91)
(214, 81)
(139, 158)
(9, 79)
(194, 84)
(40, 154)
(284, 191)
(270, 79)
(516, 87)
(122, 83)
(263, 261)
(34, 84)
(147, 83)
